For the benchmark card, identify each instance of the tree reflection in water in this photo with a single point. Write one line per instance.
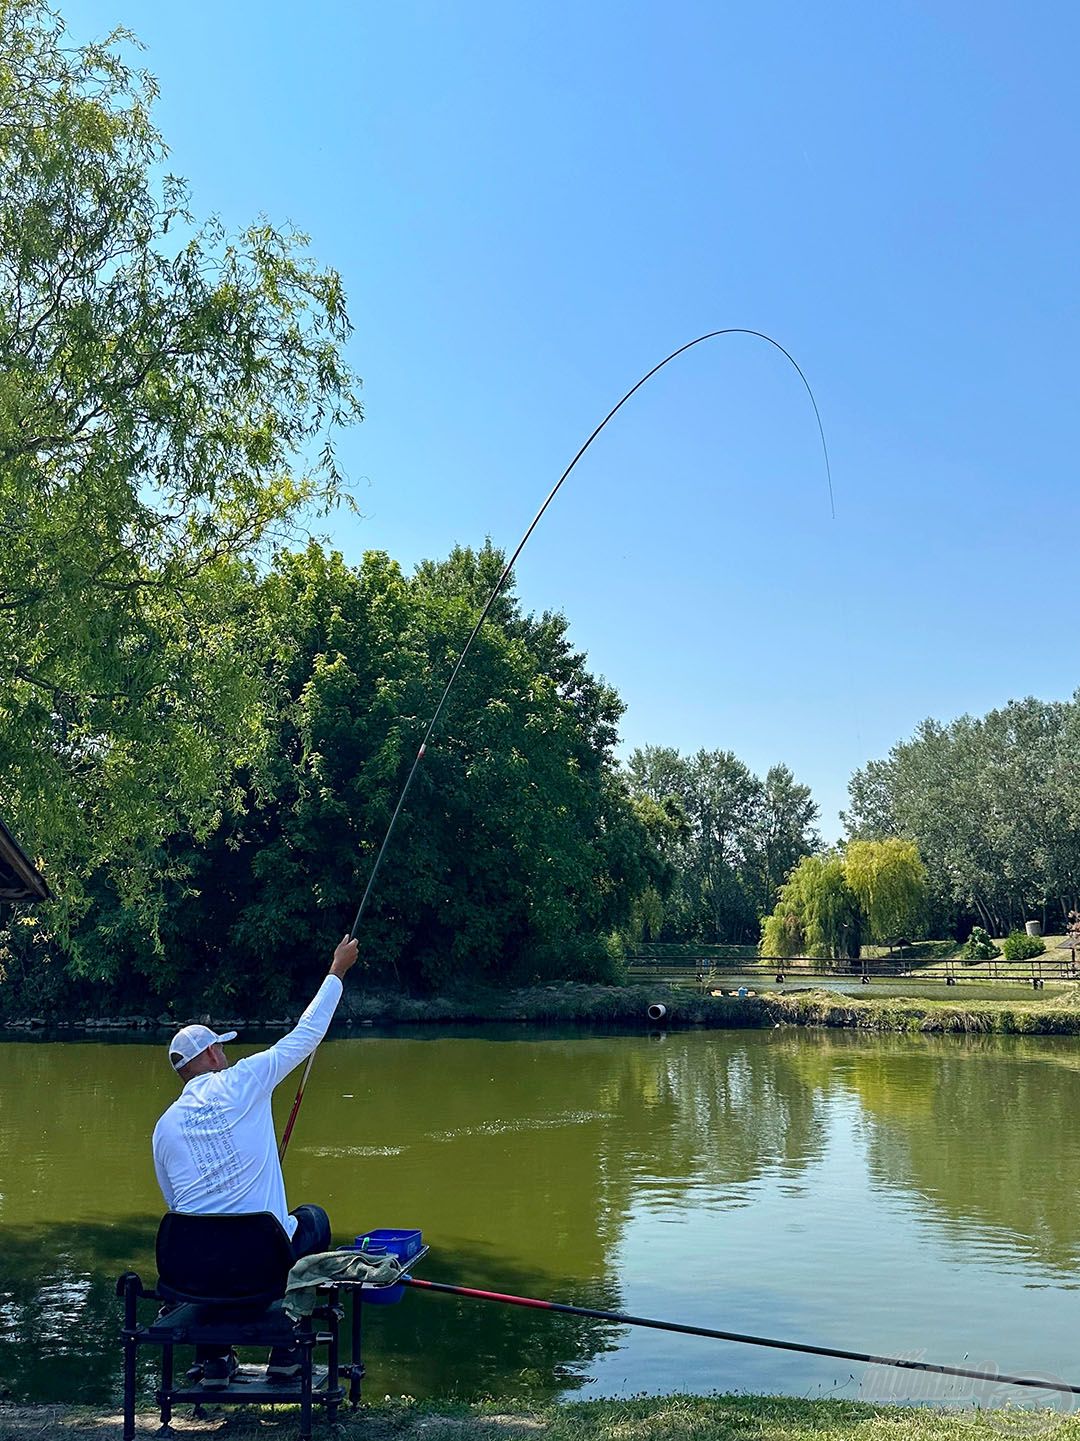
(529, 1159)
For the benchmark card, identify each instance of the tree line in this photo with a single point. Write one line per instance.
(728, 837)
(971, 823)
(993, 804)
(206, 716)
(517, 855)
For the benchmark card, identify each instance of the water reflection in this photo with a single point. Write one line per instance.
(987, 1135)
(882, 1193)
(58, 1310)
(713, 1116)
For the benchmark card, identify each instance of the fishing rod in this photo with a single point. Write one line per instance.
(622, 1319)
(690, 344)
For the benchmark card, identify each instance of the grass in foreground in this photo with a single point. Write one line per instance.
(651, 1418)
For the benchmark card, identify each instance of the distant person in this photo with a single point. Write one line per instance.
(215, 1151)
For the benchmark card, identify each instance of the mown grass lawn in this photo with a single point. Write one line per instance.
(652, 1418)
(758, 1418)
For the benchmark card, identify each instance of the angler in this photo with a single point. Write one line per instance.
(215, 1152)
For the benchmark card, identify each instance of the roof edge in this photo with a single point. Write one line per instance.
(31, 884)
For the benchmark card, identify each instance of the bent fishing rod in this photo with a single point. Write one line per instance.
(503, 578)
(623, 1319)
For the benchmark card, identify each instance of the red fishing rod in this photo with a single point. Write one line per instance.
(690, 344)
(622, 1319)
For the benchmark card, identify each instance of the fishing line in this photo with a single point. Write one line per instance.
(690, 344)
(622, 1319)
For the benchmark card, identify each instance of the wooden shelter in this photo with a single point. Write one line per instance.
(20, 880)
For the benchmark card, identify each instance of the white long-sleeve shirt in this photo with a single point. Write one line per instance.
(215, 1151)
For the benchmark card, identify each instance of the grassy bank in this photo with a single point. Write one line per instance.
(625, 1006)
(1056, 1016)
(1019, 1012)
(657, 1418)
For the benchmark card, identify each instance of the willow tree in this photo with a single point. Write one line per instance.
(817, 914)
(168, 394)
(889, 880)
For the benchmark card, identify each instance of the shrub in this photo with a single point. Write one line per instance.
(979, 946)
(1019, 946)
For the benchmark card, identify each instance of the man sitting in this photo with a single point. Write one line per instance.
(215, 1152)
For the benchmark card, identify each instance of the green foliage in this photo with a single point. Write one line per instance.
(782, 933)
(979, 946)
(993, 804)
(517, 853)
(825, 1008)
(167, 396)
(817, 913)
(729, 839)
(829, 903)
(1019, 946)
(889, 880)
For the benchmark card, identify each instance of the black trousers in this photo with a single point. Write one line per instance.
(312, 1231)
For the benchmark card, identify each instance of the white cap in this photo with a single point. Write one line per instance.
(192, 1041)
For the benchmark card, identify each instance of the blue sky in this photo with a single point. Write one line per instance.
(530, 204)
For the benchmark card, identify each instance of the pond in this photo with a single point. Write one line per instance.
(909, 1196)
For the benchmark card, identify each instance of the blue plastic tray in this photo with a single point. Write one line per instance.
(402, 1244)
(387, 1241)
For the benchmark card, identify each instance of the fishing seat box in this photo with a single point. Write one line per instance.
(221, 1279)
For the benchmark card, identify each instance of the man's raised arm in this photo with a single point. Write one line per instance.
(271, 1066)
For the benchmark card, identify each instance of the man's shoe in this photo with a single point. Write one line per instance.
(284, 1364)
(219, 1371)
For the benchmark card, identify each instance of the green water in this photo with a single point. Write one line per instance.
(914, 1196)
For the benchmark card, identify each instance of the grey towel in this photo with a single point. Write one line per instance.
(328, 1268)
